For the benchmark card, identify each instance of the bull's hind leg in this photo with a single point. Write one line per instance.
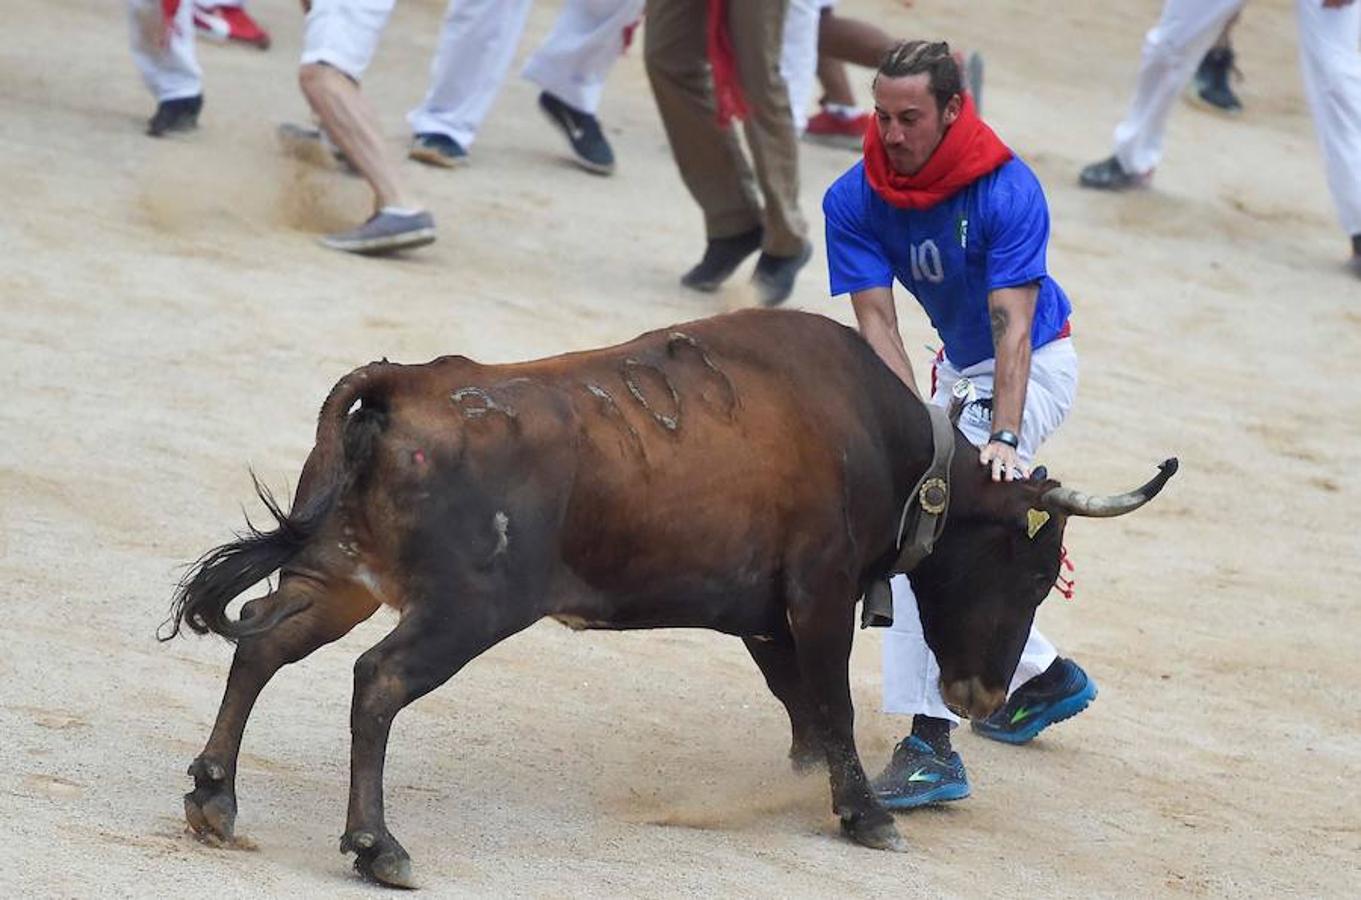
(210, 807)
(823, 626)
(779, 663)
(426, 649)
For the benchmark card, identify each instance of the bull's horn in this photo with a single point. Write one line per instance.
(1079, 504)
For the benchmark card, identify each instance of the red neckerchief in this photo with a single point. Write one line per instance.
(728, 96)
(969, 150)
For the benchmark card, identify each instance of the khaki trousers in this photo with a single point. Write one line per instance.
(710, 158)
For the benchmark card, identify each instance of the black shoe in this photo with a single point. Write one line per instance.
(1212, 82)
(590, 150)
(722, 256)
(774, 275)
(175, 115)
(437, 150)
(1109, 175)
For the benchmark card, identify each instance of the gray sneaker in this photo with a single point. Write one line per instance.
(385, 232)
(311, 145)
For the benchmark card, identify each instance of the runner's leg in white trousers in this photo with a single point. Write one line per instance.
(911, 673)
(1172, 50)
(799, 57)
(1330, 56)
(476, 44)
(586, 41)
(165, 58)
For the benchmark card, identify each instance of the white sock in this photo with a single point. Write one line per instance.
(842, 111)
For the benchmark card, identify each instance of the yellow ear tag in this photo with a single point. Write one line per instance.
(1034, 521)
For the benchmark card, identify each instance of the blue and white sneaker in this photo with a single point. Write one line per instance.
(590, 149)
(435, 149)
(1056, 695)
(918, 776)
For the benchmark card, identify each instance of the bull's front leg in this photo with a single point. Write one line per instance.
(823, 628)
(430, 644)
(779, 664)
(210, 807)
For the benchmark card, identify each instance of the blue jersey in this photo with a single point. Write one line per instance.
(991, 235)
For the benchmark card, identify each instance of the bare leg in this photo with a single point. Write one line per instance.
(210, 807)
(852, 41)
(842, 40)
(836, 83)
(353, 126)
(780, 665)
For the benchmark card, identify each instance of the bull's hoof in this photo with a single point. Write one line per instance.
(379, 858)
(210, 808)
(877, 836)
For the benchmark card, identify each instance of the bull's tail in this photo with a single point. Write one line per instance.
(224, 573)
(343, 445)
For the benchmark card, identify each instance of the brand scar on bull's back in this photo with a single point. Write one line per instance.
(632, 368)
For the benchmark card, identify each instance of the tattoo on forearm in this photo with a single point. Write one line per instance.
(1000, 320)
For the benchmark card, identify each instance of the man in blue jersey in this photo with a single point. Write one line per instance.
(942, 206)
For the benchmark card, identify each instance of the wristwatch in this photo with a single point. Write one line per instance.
(1005, 437)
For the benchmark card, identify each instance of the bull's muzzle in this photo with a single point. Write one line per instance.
(969, 699)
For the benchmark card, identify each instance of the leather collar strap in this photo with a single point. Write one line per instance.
(922, 521)
(923, 517)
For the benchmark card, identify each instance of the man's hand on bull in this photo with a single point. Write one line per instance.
(1003, 461)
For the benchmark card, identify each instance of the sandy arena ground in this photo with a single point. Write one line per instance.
(168, 321)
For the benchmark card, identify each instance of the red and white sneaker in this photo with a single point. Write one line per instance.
(837, 130)
(228, 23)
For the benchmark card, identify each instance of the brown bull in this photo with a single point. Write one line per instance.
(743, 473)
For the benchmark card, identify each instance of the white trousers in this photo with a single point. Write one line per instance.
(478, 41)
(1329, 56)
(166, 61)
(911, 673)
(799, 55)
(344, 34)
